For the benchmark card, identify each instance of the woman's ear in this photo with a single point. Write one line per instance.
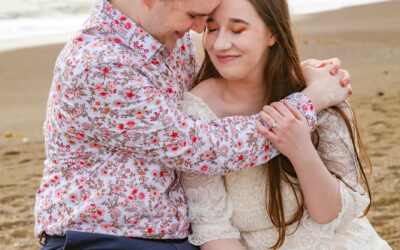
(271, 39)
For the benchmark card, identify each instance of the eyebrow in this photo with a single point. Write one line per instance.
(237, 20)
(233, 20)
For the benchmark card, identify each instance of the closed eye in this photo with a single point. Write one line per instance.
(237, 29)
(211, 27)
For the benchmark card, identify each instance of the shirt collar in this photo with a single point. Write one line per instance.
(128, 32)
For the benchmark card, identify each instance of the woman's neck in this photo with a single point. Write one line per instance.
(242, 97)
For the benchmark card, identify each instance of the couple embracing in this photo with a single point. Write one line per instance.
(145, 150)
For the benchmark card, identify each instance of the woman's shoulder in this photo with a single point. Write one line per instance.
(207, 89)
(197, 102)
(336, 125)
(336, 116)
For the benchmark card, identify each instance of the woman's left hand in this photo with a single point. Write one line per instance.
(288, 128)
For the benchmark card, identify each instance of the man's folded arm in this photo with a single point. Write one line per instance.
(136, 118)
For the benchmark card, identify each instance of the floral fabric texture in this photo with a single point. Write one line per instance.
(115, 134)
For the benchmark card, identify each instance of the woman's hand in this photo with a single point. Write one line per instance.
(288, 129)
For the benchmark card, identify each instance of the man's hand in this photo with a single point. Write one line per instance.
(334, 67)
(327, 84)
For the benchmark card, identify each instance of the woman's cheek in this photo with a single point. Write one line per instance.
(208, 42)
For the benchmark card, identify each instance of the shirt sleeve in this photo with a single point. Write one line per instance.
(337, 152)
(127, 113)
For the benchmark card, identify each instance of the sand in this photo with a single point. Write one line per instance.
(366, 38)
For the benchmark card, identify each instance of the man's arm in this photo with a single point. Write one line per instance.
(135, 117)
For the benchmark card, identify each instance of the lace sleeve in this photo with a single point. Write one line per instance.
(210, 209)
(336, 150)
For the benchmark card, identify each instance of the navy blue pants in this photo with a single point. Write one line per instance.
(84, 241)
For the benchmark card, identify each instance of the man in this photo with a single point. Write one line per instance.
(115, 135)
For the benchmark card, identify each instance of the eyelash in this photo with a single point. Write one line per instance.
(234, 32)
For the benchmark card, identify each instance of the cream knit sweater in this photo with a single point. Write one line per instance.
(234, 206)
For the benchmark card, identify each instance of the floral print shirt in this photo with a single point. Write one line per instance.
(115, 134)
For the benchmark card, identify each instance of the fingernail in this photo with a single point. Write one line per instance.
(350, 91)
(333, 72)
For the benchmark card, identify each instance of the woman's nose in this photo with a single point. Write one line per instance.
(222, 42)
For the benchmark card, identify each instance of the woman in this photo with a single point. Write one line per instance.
(310, 197)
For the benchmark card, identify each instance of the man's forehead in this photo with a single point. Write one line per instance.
(202, 7)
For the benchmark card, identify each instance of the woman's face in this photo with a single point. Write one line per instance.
(237, 40)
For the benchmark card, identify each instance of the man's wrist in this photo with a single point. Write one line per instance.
(304, 104)
(319, 102)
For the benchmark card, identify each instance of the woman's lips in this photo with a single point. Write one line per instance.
(226, 58)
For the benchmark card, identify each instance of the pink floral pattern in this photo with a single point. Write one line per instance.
(115, 134)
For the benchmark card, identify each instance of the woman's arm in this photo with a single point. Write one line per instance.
(210, 209)
(325, 196)
(320, 189)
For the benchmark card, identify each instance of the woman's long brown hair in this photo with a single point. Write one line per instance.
(283, 76)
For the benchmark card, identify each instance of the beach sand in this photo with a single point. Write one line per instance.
(366, 38)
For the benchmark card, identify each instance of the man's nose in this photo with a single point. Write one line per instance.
(199, 24)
